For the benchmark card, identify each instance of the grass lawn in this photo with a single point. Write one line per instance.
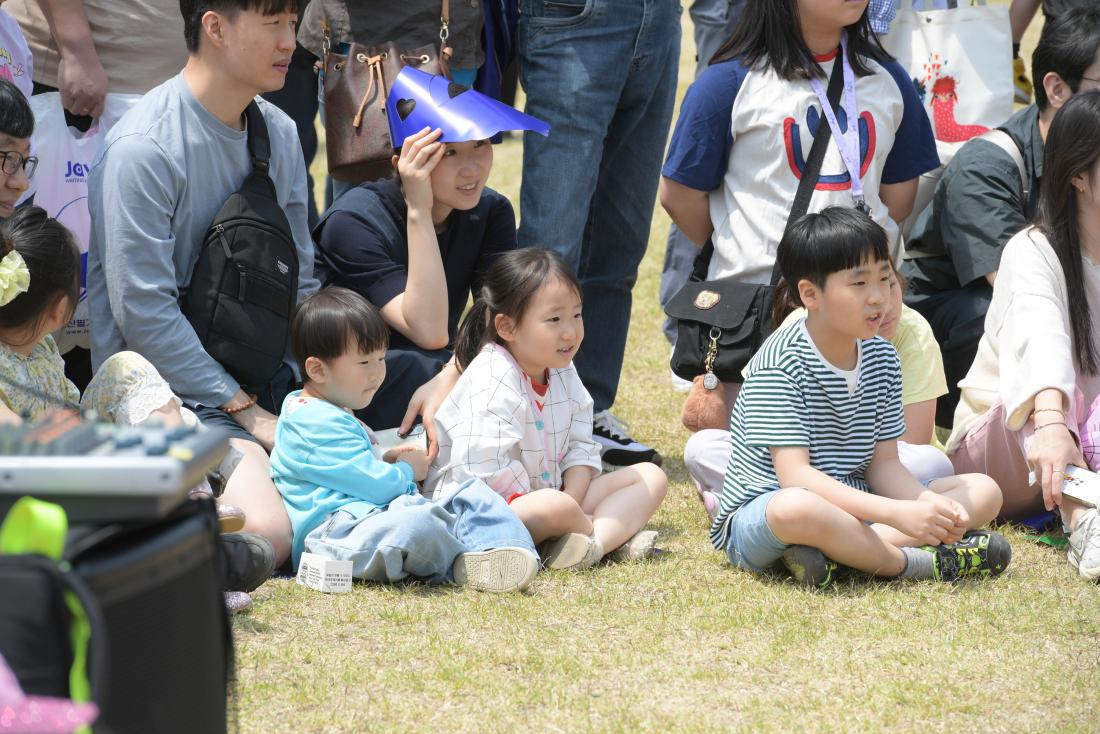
(684, 643)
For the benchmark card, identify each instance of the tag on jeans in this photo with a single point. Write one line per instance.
(324, 574)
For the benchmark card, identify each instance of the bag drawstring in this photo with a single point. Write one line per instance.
(374, 67)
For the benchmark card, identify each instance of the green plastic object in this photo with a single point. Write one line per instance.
(34, 526)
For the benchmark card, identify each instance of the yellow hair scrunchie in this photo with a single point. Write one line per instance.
(15, 278)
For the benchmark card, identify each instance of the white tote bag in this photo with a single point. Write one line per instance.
(960, 59)
(60, 184)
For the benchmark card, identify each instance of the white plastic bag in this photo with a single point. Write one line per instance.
(960, 59)
(60, 184)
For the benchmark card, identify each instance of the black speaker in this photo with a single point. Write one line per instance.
(167, 635)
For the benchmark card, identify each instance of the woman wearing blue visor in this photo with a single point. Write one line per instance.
(418, 244)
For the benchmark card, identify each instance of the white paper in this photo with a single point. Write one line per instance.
(324, 574)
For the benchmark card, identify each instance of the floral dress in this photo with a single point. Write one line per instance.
(126, 389)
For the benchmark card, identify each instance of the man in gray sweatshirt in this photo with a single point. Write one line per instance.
(167, 167)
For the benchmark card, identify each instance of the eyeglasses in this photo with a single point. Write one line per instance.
(1089, 79)
(11, 161)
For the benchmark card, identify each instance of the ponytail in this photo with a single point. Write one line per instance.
(785, 301)
(476, 331)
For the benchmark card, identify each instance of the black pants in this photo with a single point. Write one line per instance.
(406, 370)
(957, 319)
(298, 98)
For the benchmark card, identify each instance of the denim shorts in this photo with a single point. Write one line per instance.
(752, 544)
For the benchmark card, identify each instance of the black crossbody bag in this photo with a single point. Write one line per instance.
(722, 323)
(244, 287)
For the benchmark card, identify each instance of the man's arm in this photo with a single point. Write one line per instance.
(81, 79)
(133, 196)
(979, 209)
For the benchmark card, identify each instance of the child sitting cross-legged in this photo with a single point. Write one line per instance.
(520, 419)
(344, 503)
(814, 478)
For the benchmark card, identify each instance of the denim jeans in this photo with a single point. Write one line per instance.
(603, 74)
(713, 21)
(417, 537)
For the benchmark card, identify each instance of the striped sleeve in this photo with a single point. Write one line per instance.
(774, 410)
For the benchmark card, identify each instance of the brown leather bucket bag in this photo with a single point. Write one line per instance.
(357, 135)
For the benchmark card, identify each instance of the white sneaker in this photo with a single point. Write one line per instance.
(617, 448)
(571, 552)
(497, 569)
(1084, 546)
(642, 545)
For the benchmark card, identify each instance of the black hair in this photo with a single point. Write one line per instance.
(1067, 46)
(770, 35)
(53, 260)
(16, 117)
(193, 10)
(1072, 147)
(327, 322)
(822, 243)
(509, 287)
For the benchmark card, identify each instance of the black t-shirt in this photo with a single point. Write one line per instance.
(371, 257)
(977, 207)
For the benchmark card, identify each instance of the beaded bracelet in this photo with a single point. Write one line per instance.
(241, 408)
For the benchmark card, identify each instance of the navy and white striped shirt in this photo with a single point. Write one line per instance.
(793, 397)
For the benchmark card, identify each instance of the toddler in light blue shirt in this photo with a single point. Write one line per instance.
(346, 504)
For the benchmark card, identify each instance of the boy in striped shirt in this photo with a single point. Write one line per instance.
(814, 478)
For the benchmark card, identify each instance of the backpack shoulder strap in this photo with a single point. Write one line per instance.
(259, 144)
(1008, 144)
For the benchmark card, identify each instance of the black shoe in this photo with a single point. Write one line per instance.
(247, 560)
(979, 553)
(616, 446)
(809, 566)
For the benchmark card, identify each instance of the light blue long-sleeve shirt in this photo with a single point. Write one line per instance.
(166, 169)
(322, 462)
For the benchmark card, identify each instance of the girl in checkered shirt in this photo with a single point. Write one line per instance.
(520, 420)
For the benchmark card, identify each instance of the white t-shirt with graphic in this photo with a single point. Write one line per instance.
(745, 134)
(16, 62)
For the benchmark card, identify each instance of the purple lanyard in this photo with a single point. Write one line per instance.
(847, 143)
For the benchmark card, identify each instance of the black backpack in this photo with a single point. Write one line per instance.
(245, 284)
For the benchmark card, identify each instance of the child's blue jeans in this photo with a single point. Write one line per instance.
(417, 537)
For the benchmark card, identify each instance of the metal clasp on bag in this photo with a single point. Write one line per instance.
(710, 380)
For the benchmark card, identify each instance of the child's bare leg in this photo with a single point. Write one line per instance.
(978, 494)
(622, 502)
(800, 517)
(550, 513)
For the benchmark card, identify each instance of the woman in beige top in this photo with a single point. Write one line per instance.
(1027, 400)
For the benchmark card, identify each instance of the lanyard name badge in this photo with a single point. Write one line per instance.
(846, 142)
